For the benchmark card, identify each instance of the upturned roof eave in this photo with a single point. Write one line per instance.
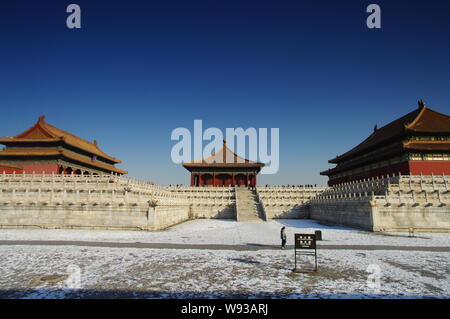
(45, 128)
(65, 154)
(220, 159)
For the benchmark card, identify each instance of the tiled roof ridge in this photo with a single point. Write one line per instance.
(223, 150)
(393, 129)
(57, 133)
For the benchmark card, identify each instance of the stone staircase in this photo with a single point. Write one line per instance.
(248, 206)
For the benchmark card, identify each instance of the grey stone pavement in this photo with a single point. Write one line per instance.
(246, 247)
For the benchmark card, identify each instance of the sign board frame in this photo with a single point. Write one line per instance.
(304, 244)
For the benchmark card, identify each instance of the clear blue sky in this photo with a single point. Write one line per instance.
(138, 69)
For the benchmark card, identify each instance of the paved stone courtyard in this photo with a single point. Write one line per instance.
(221, 258)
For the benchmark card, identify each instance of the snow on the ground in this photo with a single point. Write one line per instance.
(179, 273)
(229, 232)
(30, 271)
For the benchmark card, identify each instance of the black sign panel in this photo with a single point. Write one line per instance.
(305, 241)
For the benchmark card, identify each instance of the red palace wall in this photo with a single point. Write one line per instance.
(404, 168)
(39, 168)
(428, 167)
(9, 170)
(223, 179)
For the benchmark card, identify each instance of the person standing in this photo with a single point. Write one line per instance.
(283, 237)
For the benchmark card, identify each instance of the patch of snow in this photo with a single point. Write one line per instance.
(184, 273)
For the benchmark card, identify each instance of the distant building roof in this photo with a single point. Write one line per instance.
(14, 152)
(45, 132)
(225, 158)
(421, 120)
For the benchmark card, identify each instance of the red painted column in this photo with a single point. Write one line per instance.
(192, 179)
(200, 180)
(232, 180)
(214, 179)
(254, 180)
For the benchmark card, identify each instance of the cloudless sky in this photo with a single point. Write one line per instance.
(138, 69)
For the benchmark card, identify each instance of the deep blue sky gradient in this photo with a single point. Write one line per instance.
(138, 69)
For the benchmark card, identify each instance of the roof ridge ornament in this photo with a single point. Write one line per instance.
(421, 104)
(41, 118)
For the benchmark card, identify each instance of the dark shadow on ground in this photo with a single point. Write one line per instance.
(246, 261)
(137, 294)
(401, 235)
(310, 223)
(262, 245)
